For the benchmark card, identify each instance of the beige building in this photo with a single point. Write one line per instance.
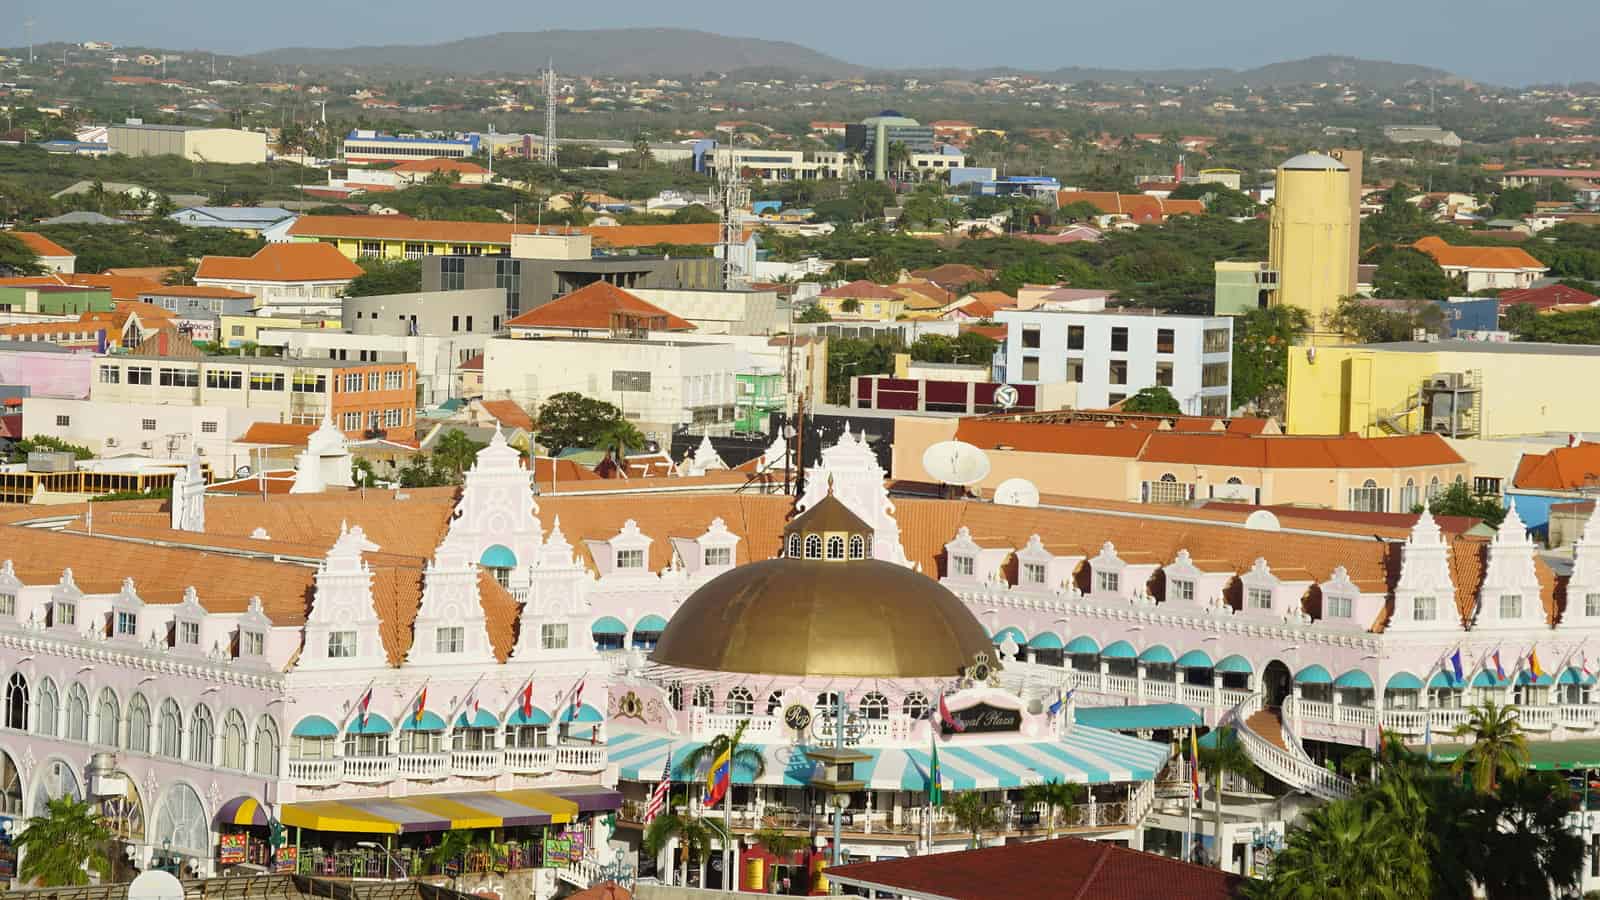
(194, 143)
(1209, 459)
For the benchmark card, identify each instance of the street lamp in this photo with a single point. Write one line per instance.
(405, 875)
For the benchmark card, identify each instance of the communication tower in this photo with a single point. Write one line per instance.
(734, 195)
(550, 114)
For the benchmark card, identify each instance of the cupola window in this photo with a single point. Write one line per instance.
(813, 546)
(836, 546)
(858, 547)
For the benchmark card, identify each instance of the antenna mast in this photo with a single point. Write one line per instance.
(734, 196)
(550, 113)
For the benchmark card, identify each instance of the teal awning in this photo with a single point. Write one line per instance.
(536, 717)
(1012, 632)
(314, 727)
(1234, 665)
(609, 625)
(1526, 677)
(483, 719)
(1083, 644)
(1156, 655)
(1119, 650)
(1313, 674)
(651, 622)
(1195, 659)
(1443, 680)
(1137, 718)
(376, 724)
(498, 556)
(1404, 681)
(585, 713)
(1485, 679)
(1574, 675)
(1045, 640)
(429, 722)
(1355, 679)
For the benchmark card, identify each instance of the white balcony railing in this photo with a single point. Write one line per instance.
(370, 768)
(315, 771)
(422, 766)
(476, 763)
(1283, 765)
(581, 759)
(530, 760)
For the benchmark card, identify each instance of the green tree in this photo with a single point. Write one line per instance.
(1370, 324)
(1499, 749)
(780, 844)
(16, 258)
(848, 357)
(1262, 339)
(1408, 273)
(1520, 844)
(1514, 203)
(1056, 796)
(1341, 852)
(385, 276)
(883, 269)
(693, 214)
(1459, 500)
(813, 313)
(974, 813)
(1520, 319)
(44, 442)
(1078, 211)
(1226, 756)
(454, 452)
(966, 347)
(619, 436)
(1153, 399)
(1220, 200)
(569, 419)
(1577, 327)
(453, 847)
(63, 845)
(696, 835)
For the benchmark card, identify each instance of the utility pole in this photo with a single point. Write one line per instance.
(28, 26)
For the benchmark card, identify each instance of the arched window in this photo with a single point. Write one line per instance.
(49, 708)
(774, 703)
(171, 729)
(741, 702)
(813, 546)
(794, 546)
(875, 706)
(234, 740)
(108, 719)
(1235, 480)
(705, 698)
(1433, 488)
(138, 724)
(1369, 483)
(827, 704)
(267, 747)
(836, 546)
(201, 731)
(915, 705)
(1169, 478)
(16, 712)
(675, 694)
(181, 822)
(1408, 496)
(858, 547)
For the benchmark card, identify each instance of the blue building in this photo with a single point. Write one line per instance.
(370, 146)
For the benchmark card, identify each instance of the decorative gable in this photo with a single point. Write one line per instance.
(250, 635)
(1188, 585)
(710, 554)
(450, 626)
(343, 629)
(1040, 570)
(627, 555)
(125, 615)
(1510, 595)
(1106, 571)
(1345, 605)
(185, 629)
(65, 600)
(1425, 595)
(1583, 588)
(558, 602)
(496, 523)
(969, 565)
(850, 471)
(10, 591)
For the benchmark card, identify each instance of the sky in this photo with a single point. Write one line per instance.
(1487, 40)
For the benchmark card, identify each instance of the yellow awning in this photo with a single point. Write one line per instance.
(432, 812)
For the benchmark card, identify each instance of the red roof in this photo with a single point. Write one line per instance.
(281, 262)
(41, 245)
(475, 364)
(595, 306)
(508, 413)
(1562, 469)
(279, 433)
(11, 425)
(1546, 297)
(1062, 869)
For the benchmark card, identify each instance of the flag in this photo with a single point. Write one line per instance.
(718, 778)
(577, 701)
(422, 705)
(658, 797)
(1533, 663)
(527, 701)
(1427, 736)
(1456, 669)
(1061, 701)
(950, 721)
(1499, 670)
(1583, 658)
(1194, 764)
(935, 777)
(365, 703)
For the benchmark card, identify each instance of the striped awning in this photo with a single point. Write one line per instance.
(435, 812)
(243, 811)
(1085, 756)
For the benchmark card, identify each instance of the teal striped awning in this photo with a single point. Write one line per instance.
(1486, 679)
(1234, 665)
(1157, 654)
(1012, 632)
(1443, 680)
(1574, 675)
(1313, 674)
(1045, 640)
(536, 717)
(376, 724)
(1149, 716)
(430, 722)
(1119, 650)
(609, 625)
(483, 719)
(651, 622)
(1525, 677)
(1195, 659)
(1404, 681)
(1083, 644)
(585, 713)
(1355, 679)
(314, 727)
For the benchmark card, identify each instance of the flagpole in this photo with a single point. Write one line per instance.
(1188, 815)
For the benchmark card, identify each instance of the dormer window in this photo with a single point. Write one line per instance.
(962, 565)
(1108, 581)
(1424, 609)
(1342, 607)
(836, 546)
(1510, 606)
(1182, 589)
(858, 547)
(1033, 573)
(64, 613)
(1591, 605)
(126, 624)
(1261, 598)
(8, 603)
(813, 546)
(341, 645)
(794, 546)
(450, 639)
(189, 634)
(252, 643)
(718, 556)
(630, 559)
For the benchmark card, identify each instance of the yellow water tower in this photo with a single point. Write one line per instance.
(1314, 232)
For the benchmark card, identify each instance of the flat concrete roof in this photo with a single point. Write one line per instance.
(225, 359)
(566, 339)
(1518, 348)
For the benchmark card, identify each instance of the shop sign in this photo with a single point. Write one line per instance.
(983, 718)
(232, 848)
(284, 860)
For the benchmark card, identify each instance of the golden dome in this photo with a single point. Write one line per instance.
(861, 618)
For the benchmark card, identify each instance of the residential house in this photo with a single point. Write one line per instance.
(53, 256)
(293, 279)
(1546, 297)
(1542, 481)
(459, 171)
(469, 377)
(597, 310)
(1131, 209)
(266, 221)
(1484, 268)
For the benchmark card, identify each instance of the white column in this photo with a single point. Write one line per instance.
(1140, 672)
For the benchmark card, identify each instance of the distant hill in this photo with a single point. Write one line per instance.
(1347, 69)
(607, 51)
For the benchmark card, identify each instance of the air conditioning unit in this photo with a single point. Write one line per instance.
(111, 442)
(144, 445)
(1445, 381)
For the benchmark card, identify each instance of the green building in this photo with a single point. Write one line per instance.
(55, 300)
(1242, 286)
(756, 395)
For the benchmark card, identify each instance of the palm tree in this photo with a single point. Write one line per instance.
(619, 436)
(1226, 757)
(974, 813)
(1340, 852)
(740, 757)
(1519, 843)
(455, 451)
(455, 844)
(780, 844)
(1498, 750)
(695, 833)
(897, 157)
(1054, 795)
(61, 847)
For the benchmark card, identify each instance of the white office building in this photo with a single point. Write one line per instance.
(1113, 354)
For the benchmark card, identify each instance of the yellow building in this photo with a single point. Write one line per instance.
(1456, 388)
(234, 331)
(1313, 235)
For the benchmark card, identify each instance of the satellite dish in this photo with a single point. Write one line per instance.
(1005, 396)
(1016, 492)
(956, 462)
(242, 472)
(155, 884)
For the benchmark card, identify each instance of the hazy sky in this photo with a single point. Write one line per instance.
(1499, 42)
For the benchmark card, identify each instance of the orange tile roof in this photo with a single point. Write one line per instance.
(279, 433)
(698, 234)
(199, 291)
(474, 364)
(465, 167)
(1139, 207)
(593, 306)
(508, 413)
(1561, 469)
(56, 328)
(863, 290)
(1477, 257)
(121, 287)
(41, 245)
(281, 262)
(403, 228)
(951, 276)
(1081, 440)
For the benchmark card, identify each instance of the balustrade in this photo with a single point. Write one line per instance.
(470, 763)
(530, 760)
(421, 765)
(1125, 685)
(369, 768)
(581, 759)
(314, 771)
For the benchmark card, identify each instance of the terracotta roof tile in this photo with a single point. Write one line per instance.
(1560, 469)
(508, 413)
(277, 433)
(1477, 257)
(121, 287)
(862, 290)
(41, 245)
(198, 291)
(281, 262)
(465, 167)
(595, 306)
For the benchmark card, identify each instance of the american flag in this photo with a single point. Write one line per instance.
(658, 797)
